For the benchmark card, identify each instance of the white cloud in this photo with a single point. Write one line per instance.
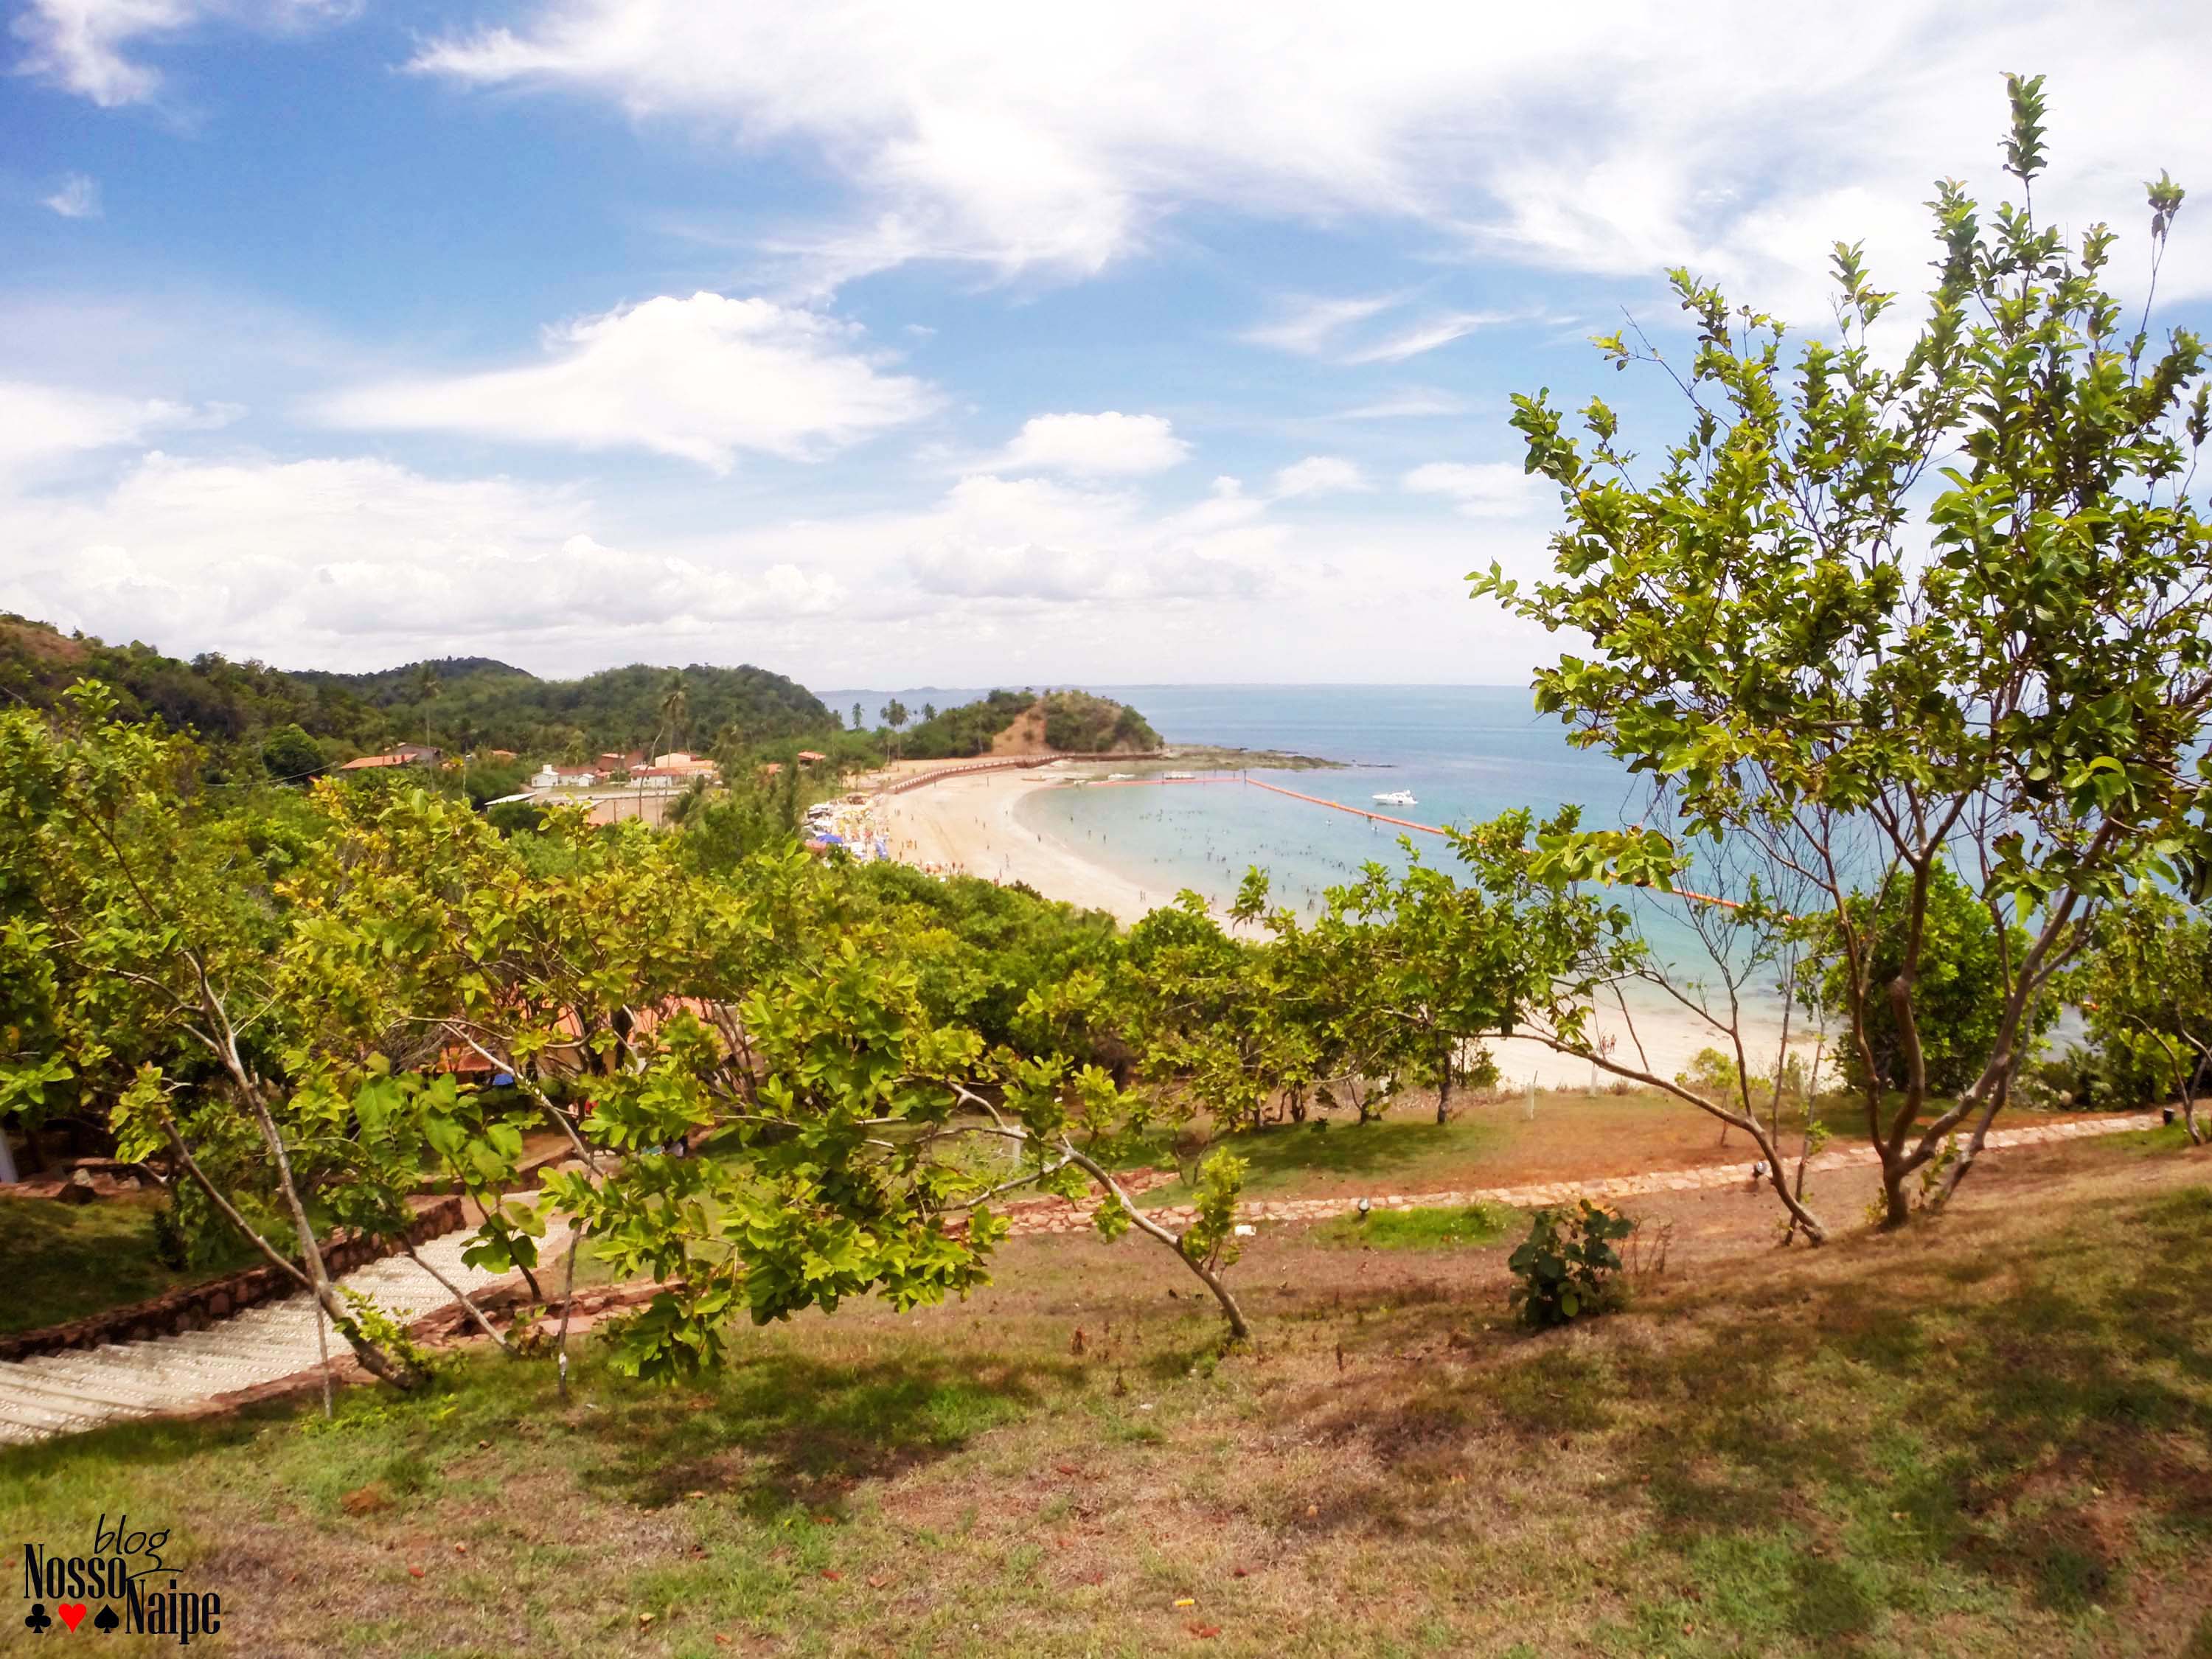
(1333, 329)
(1319, 475)
(703, 379)
(1425, 336)
(42, 426)
(78, 199)
(1310, 327)
(1094, 445)
(1494, 490)
(1414, 402)
(1035, 540)
(349, 563)
(307, 562)
(80, 45)
(1605, 136)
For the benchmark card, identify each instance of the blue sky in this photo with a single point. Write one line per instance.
(891, 344)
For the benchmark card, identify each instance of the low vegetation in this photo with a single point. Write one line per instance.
(2008, 1456)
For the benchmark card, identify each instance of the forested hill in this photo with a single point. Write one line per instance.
(474, 701)
(495, 705)
(1070, 722)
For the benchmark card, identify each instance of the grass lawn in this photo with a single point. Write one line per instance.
(62, 1261)
(1572, 1135)
(1988, 1436)
(1421, 1229)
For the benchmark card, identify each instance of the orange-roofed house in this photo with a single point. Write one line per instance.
(407, 754)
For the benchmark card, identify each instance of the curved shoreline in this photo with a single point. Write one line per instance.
(968, 826)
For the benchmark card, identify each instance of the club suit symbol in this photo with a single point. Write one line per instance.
(38, 1619)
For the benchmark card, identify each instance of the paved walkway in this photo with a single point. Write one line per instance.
(63, 1392)
(1065, 1217)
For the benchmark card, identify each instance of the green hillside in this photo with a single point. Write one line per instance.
(238, 708)
(484, 703)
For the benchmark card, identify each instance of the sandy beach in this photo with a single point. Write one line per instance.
(967, 825)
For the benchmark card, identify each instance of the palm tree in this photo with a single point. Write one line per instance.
(426, 687)
(675, 704)
(894, 716)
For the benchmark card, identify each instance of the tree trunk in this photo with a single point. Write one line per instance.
(1961, 1165)
(310, 1277)
(1238, 1327)
(1213, 1282)
(1897, 1207)
(1444, 1089)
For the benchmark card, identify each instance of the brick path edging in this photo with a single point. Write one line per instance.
(1058, 1216)
(195, 1306)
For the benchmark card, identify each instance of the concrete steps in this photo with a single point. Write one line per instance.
(66, 1393)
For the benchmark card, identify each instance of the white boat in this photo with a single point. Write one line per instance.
(1397, 798)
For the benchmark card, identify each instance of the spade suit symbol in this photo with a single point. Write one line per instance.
(105, 1619)
(38, 1619)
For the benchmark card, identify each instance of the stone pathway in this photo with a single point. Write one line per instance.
(1063, 1218)
(83, 1387)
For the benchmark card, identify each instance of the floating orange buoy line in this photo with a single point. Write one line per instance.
(1028, 761)
(1356, 811)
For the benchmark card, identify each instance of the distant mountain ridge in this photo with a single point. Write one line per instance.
(459, 701)
(386, 685)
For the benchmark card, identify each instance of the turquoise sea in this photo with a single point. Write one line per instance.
(1466, 753)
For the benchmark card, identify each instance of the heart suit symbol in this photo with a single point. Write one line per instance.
(69, 1613)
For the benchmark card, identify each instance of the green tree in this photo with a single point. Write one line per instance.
(1958, 982)
(290, 755)
(837, 1140)
(1942, 608)
(1403, 976)
(1206, 1016)
(858, 718)
(896, 715)
(160, 939)
(2145, 987)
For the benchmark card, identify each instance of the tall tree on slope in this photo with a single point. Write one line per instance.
(1872, 622)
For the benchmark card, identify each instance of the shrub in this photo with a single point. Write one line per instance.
(1567, 1267)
